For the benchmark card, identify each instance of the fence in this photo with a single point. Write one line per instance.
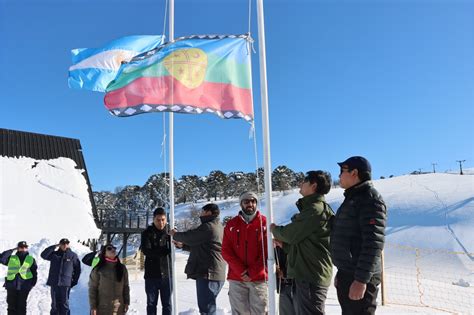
(135, 265)
(436, 279)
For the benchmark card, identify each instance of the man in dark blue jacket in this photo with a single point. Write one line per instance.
(21, 277)
(64, 272)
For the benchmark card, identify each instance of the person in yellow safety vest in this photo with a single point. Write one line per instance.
(21, 277)
(91, 259)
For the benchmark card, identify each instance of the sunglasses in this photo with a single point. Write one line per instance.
(344, 169)
(110, 248)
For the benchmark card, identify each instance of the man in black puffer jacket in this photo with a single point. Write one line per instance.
(156, 245)
(205, 262)
(357, 239)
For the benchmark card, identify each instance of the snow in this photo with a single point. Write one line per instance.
(44, 199)
(428, 256)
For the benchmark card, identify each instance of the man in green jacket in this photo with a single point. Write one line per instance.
(306, 241)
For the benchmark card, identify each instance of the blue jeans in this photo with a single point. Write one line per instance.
(60, 300)
(153, 288)
(207, 291)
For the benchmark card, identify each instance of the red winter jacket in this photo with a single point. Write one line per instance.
(242, 247)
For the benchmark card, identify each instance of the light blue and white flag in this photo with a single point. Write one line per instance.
(94, 68)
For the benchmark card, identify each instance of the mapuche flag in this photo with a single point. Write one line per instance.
(194, 75)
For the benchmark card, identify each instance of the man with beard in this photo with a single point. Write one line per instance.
(244, 248)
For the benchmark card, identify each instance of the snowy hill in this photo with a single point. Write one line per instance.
(429, 243)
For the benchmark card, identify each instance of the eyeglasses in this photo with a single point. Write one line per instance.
(110, 248)
(344, 169)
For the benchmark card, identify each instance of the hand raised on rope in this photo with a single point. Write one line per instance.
(178, 244)
(172, 232)
(277, 243)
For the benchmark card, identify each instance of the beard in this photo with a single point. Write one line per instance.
(249, 210)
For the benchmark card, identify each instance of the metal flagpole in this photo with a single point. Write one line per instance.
(267, 161)
(174, 286)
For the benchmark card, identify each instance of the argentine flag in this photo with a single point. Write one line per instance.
(94, 68)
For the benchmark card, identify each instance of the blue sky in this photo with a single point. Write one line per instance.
(390, 80)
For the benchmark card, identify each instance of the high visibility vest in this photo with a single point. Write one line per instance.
(95, 261)
(14, 267)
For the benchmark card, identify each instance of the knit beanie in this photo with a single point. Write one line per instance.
(246, 195)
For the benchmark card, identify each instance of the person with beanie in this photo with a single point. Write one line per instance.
(244, 248)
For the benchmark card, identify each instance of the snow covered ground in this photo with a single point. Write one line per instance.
(429, 255)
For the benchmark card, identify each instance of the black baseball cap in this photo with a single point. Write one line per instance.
(64, 241)
(22, 244)
(357, 162)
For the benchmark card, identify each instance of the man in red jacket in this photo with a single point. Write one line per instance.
(244, 248)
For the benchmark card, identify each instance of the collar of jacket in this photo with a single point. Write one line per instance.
(152, 227)
(208, 218)
(306, 201)
(242, 215)
(363, 186)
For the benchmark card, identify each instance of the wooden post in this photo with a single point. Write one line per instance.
(124, 250)
(382, 281)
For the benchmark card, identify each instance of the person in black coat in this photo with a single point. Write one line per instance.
(156, 246)
(357, 238)
(205, 262)
(18, 281)
(64, 272)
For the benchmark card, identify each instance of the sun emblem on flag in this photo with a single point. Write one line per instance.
(188, 66)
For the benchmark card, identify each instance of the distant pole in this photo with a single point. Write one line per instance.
(419, 171)
(434, 168)
(266, 159)
(460, 166)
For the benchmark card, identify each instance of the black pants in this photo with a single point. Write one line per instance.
(287, 305)
(16, 300)
(367, 305)
(153, 288)
(60, 300)
(309, 298)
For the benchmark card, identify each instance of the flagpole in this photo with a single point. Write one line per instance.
(174, 286)
(267, 161)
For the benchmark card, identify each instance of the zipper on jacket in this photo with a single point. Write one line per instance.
(246, 252)
(238, 238)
